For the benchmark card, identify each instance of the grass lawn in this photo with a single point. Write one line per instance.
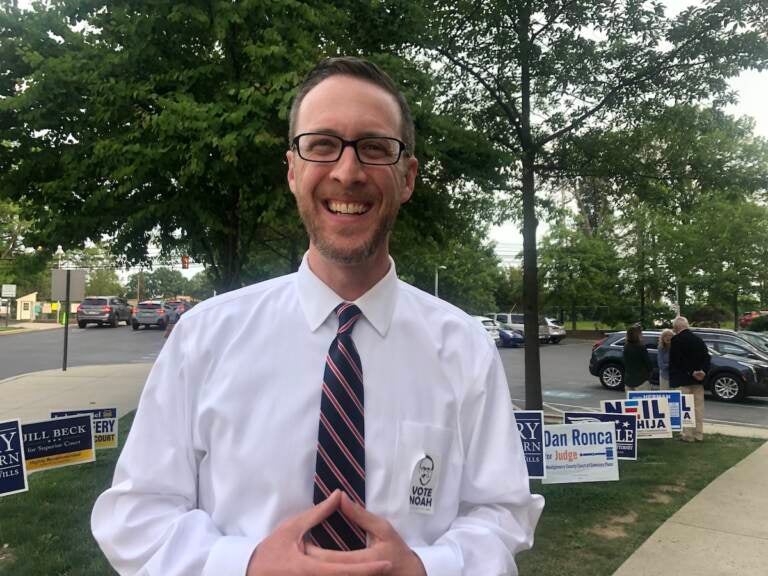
(590, 529)
(586, 529)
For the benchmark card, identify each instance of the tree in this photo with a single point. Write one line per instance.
(154, 121)
(533, 72)
(104, 282)
(160, 283)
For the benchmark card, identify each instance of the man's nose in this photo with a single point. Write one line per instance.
(348, 169)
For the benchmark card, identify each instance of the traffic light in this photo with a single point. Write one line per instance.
(185, 262)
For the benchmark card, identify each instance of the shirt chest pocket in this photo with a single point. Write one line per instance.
(426, 472)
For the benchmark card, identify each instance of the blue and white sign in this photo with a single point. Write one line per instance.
(688, 412)
(584, 452)
(13, 470)
(626, 429)
(653, 419)
(59, 442)
(672, 396)
(104, 424)
(530, 424)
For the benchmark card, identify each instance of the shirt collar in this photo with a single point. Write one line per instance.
(318, 300)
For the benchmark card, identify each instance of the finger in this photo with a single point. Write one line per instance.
(378, 568)
(366, 520)
(339, 556)
(319, 512)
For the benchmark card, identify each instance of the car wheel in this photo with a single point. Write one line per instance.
(612, 376)
(81, 324)
(555, 340)
(727, 387)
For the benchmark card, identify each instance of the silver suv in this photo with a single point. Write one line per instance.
(103, 310)
(153, 313)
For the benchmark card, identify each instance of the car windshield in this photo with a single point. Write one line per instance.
(757, 341)
(95, 302)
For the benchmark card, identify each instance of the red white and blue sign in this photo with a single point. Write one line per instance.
(530, 424)
(626, 429)
(674, 397)
(652, 415)
(13, 471)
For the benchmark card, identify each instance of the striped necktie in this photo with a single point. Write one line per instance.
(340, 461)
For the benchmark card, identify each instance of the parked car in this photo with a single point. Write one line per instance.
(555, 330)
(152, 313)
(747, 317)
(730, 377)
(516, 321)
(490, 326)
(510, 338)
(181, 306)
(730, 342)
(101, 310)
(758, 339)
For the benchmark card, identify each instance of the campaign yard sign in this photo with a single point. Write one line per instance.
(688, 412)
(58, 442)
(530, 424)
(104, 424)
(674, 399)
(13, 471)
(652, 415)
(626, 429)
(583, 452)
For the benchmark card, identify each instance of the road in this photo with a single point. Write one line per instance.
(567, 384)
(43, 350)
(566, 381)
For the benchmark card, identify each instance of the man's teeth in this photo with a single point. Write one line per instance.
(346, 207)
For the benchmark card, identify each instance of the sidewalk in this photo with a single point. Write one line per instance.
(22, 327)
(723, 531)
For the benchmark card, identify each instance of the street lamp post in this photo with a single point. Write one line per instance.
(437, 276)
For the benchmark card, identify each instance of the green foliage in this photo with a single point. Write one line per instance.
(759, 324)
(104, 282)
(159, 283)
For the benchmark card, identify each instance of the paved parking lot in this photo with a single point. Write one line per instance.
(567, 383)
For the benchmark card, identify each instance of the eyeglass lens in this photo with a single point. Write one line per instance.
(328, 148)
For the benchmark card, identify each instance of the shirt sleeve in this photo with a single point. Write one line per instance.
(148, 522)
(497, 512)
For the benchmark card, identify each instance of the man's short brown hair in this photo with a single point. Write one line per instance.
(364, 70)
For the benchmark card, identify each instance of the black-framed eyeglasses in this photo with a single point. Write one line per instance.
(371, 150)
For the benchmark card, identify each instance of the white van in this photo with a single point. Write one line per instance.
(515, 320)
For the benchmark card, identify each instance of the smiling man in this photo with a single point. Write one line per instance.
(285, 426)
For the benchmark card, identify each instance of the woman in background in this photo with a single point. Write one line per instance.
(665, 341)
(637, 363)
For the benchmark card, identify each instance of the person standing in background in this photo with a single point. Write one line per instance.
(662, 358)
(637, 363)
(688, 366)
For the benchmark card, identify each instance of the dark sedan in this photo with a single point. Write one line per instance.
(730, 377)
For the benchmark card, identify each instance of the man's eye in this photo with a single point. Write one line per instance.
(320, 145)
(374, 148)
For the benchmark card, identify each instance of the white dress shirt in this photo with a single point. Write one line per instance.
(223, 445)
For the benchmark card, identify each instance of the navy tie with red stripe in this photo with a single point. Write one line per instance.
(340, 461)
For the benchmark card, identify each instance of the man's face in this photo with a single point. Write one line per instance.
(425, 471)
(349, 208)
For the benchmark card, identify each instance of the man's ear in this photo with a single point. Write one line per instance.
(409, 178)
(289, 156)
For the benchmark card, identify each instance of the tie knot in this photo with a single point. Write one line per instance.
(348, 314)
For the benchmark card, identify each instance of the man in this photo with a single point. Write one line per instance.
(257, 449)
(688, 366)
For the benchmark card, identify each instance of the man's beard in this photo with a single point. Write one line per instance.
(348, 256)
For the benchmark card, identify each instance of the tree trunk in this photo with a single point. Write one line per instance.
(736, 309)
(533, 398)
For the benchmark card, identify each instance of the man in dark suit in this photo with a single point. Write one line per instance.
(688, 366)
